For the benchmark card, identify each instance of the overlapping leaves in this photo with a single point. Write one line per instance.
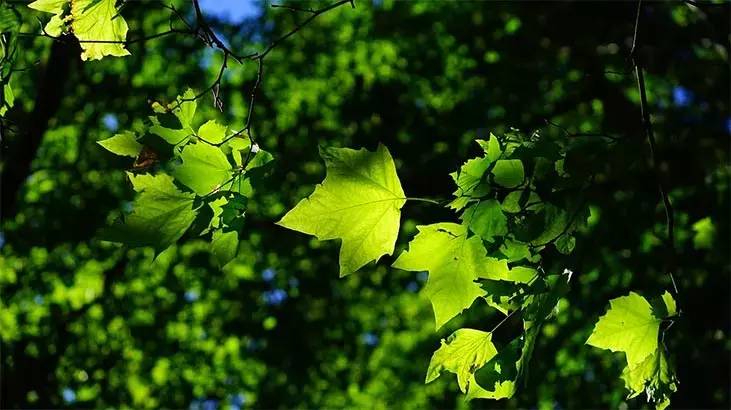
(516, 199)
(196, 185)
(97, 25)
(9, 31)
(632, 326)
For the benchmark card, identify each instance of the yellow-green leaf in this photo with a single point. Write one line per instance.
(453, 261)
(629, 326)
(99, 28)
(204, 169)
(465, 351)
(123, 143)
(359, 202)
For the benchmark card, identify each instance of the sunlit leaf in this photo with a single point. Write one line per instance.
(359, 202)
(453, 261)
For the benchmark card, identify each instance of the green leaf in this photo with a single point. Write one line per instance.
(217, 210)
(95, 20)
(49, 6)
(97, 25)
(628, 326)
(233, 213)
(555, 223)
(508, 172)
(491, 147)
(632, 325)
(497, 379)
(486, 219)
(8, 99)
(205, 168)
(468, 180)
(671, 308)
(565, 244)
(654, 376)
(515, 201)
(171, 136)
(359, 202)
(212, 132)
(465, 351)
(664, 306)
(56, 25)
(501, 295)
(160, 214)
(186, 106)
(224, 246)
(453, 262)
(515, 251)
(124, 143)
(704, 230)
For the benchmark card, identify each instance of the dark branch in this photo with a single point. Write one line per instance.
(650, 134)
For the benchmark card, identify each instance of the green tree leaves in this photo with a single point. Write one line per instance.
(359, 202)
(125, 143)
(453, 261)
(200, 187)
(491, 254)
(462, 353)
(508, 173)
(486, 219)
(96, 23)
(161, 214)
(204, 169)
(629, 326)
(632, 325)
(654, 376)
(93, 21)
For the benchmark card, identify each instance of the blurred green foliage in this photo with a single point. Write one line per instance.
(86, 323)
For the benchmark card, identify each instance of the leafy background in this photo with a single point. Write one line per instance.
(85, 323)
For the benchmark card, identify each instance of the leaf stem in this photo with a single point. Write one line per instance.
(505, 319)
(431, 201)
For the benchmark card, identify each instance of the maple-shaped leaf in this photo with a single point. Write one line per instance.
(453, 261)
(99, 27)
(629, 326)
(465, 351)
(359, 202)
(160, 214)
(632, 325)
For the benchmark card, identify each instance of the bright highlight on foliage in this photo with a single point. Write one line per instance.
(96, 23)
(464, 351)
(359, 202)
(493, 254)
(201, 189)
(453, 261)
(632, 325)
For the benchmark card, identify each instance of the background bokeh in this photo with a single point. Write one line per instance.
(88, 324)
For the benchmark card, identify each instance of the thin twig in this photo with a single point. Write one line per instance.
(650, 134)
